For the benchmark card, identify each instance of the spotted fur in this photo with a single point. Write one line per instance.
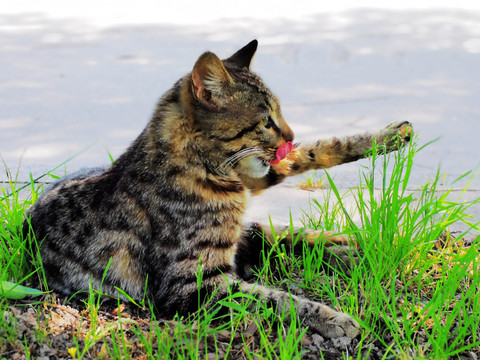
(177, 196)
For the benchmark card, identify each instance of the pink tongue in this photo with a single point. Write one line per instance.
(282, 152)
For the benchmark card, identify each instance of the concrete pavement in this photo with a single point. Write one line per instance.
(67, 84)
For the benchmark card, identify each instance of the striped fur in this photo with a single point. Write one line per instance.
(177, 196)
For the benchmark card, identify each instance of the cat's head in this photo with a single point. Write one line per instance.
(238, 112)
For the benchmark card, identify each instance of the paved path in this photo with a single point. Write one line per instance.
(66, 85)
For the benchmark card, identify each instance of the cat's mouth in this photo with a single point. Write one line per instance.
(282, 152)
(255, 161)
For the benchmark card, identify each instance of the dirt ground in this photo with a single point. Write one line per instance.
(53, 329)
(60, 323)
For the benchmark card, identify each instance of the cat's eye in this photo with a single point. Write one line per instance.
(268, 122)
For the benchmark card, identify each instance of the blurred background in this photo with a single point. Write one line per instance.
(88, 74)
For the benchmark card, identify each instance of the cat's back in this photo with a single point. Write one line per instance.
(86, 222)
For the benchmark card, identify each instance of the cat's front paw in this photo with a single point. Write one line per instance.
(401, 129)
(396, 135)
(336, 325)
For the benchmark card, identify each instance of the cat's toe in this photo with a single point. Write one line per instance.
(403, 129)
(398, 125)
(345, 325)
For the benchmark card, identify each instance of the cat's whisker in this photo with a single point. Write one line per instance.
(240, 155)
(243, 153)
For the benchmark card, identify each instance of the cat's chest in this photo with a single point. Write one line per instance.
(206, 223)
(194, 206)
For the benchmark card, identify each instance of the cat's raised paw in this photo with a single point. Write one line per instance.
(403, 129)
(395, 135)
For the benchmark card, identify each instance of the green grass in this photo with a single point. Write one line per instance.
(415, 289)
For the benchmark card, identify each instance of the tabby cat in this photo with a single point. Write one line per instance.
(178, 194)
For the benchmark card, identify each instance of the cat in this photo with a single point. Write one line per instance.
(177, 196)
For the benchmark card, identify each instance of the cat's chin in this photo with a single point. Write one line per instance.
(259, 173)
(253, 167)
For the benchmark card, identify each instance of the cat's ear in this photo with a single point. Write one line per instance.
(243, 57)
(210, 79)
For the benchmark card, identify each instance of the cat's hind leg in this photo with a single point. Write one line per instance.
(294, 236)
(339, 252)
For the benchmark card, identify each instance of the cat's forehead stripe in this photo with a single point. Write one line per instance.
(272, 104)
(270, 99)
(254, 81)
